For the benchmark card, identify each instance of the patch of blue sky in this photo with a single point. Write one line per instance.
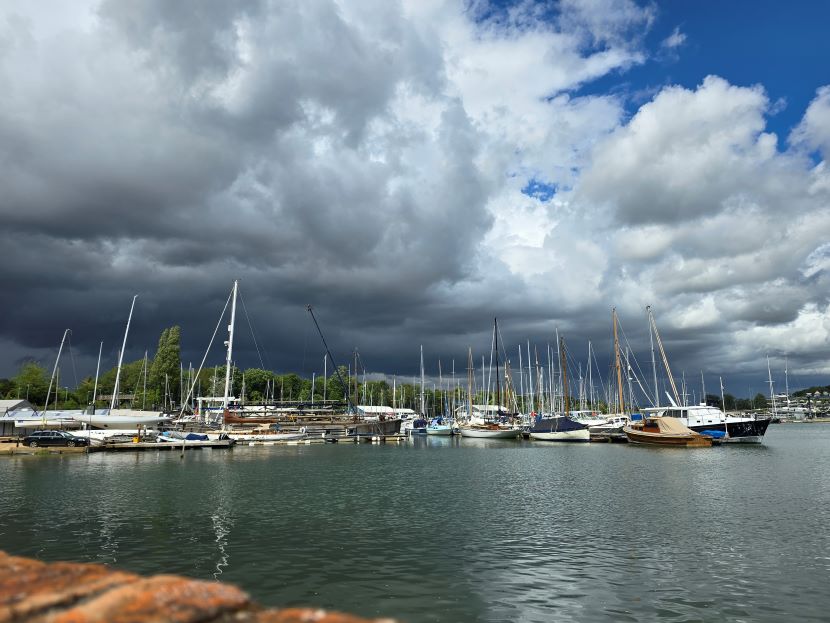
(539, 190)
(781, 46)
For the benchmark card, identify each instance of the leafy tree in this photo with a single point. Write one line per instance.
(131, 382)
(759, 402)
(167, 362)
(32, 381)
(256, 381)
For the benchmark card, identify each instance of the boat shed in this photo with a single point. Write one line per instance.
(375, 412)
(8, 410)
(17, 404)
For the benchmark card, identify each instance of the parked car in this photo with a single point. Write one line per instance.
(54, 438)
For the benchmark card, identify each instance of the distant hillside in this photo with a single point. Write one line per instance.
(812, 390)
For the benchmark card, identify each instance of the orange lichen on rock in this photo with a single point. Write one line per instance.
(28, 587)
(31, 590)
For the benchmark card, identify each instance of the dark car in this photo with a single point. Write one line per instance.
(54, 438)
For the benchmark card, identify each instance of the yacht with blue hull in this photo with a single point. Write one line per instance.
(750, 429)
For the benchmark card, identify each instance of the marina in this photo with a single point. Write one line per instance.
(516, 529)
(458, 311)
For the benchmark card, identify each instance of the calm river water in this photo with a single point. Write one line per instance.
(455, 530)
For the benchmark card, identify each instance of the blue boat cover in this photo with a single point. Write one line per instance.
(714, 434)
(555, 424)
(196, 437)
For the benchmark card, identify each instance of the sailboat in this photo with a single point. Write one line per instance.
(615, 422)
(703, 417)
(441, 425)
(265, 432)
(31, 419)
(560, 427)
(419, 425)
(484, 425)
(125, 420)
(665, 431)
(382, 426)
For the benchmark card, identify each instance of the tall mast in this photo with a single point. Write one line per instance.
(144, 392)
(702, 389)
(356, 382)
(441, 389)
(653, 360)
(333, 363)
(563, 368)
(771, 393)
(522, 381)
(590, 380)
(786, 381)
(665, 359)
(454, 389)
(498, 384)
(530, 379)
(723, 405)
(121, 356)
(230, 346)
(553, 393)
(422, 381)
(617, 361)
(469, 382)
(54, 372)
(97, 370)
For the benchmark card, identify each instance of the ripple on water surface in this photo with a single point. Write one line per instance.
(454, 530)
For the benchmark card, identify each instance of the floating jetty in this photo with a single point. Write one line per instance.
(609, 437)
(135, 446)
(13, 447)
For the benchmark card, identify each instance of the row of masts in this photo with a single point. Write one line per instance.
(541, 394)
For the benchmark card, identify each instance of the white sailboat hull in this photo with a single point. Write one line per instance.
(243, 437)
(123, 419)
(490, 433)
(444, 431)
(566, 435)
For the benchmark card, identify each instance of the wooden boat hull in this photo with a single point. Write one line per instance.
(667, 439)
(241, 419)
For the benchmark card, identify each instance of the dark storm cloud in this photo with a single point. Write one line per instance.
(171, 190)
(362, 157)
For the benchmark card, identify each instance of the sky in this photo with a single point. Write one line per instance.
(413, 170)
